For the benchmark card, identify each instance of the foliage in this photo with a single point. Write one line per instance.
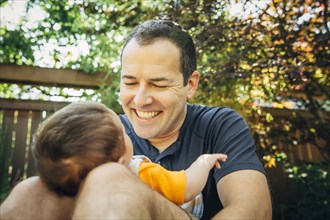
(275, 56)
(295, 43)
(73, 35)
(311, 183)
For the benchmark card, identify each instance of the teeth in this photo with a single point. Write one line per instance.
(146, 115)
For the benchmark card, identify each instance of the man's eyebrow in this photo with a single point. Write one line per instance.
(128, 77)
(159, 79)
(156, 79)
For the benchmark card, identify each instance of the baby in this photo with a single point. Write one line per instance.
(84, 135)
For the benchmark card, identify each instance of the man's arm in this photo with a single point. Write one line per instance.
(111, 191)
(244, 195)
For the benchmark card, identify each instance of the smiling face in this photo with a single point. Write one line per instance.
(152, 91)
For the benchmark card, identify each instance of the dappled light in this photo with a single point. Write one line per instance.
(269, 60)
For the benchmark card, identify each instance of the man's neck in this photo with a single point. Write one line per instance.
(164, 142)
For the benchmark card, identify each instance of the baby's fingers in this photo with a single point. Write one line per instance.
(217, 164)
(222, 157)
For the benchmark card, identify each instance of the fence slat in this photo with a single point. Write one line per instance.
(20, 147)
(36, 117)
(7, 131)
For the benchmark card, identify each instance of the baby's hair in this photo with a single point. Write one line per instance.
(73, 141)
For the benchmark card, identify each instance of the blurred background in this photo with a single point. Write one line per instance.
(269, 60)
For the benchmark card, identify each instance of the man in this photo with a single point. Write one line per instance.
(159, 75)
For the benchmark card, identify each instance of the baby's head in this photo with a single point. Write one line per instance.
(76, 139)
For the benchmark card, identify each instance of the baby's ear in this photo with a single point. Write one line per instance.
(121, 160)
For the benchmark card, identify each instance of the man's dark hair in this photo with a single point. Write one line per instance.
(150, 31)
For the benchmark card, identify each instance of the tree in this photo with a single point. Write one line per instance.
(273, 55)
(66, 26)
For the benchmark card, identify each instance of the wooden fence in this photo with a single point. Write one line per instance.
(299, 152)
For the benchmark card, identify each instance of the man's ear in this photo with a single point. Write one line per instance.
(193, 84)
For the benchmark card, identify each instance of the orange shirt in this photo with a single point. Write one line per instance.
(171, 184)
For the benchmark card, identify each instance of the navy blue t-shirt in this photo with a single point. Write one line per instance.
(205, 130)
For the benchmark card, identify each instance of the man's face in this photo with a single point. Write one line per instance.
(152, 91)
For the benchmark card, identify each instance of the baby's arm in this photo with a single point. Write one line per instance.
(198, 172)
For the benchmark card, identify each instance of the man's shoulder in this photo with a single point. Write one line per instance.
(204, 111)
(201, 118)
(201, 107)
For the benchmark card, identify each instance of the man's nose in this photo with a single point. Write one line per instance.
(142, 96)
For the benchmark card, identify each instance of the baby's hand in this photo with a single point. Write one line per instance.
(212, 159)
